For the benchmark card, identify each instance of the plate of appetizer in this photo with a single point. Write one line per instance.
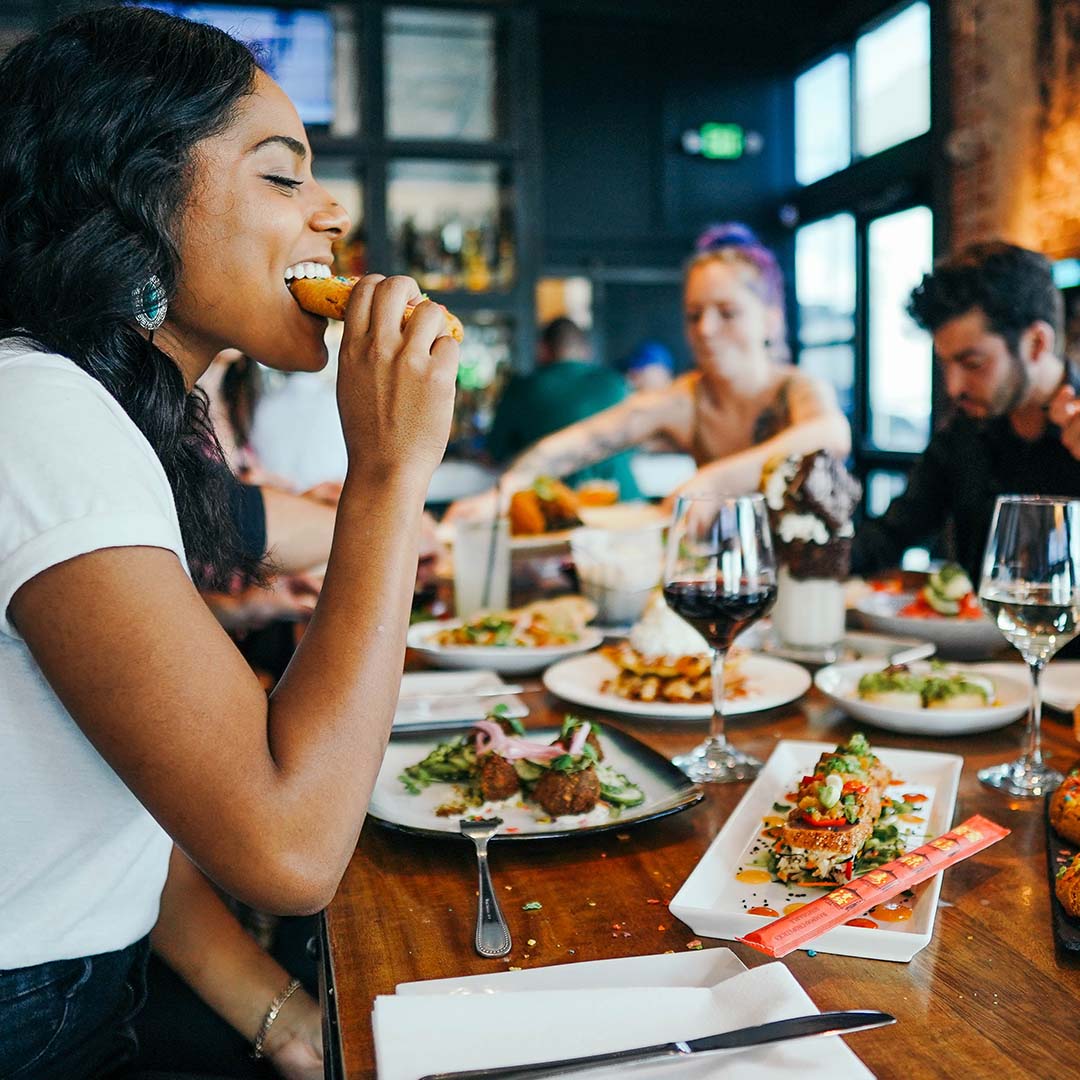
(512, 642)
(543, 782)
(818, 816)
(663, 670)
(925, 698)
(1063, 856)
(945, 611)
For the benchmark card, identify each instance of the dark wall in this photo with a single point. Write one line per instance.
(615, 98)
(618, 190)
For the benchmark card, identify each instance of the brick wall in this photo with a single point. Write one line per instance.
(1014, 147)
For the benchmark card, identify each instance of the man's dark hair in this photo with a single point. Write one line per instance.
(563, 337)
(1012, 286)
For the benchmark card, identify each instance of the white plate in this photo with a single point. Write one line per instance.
(666, 788)
(770, 683)
(504, 659)
(964, 639)
(434, 699)
(838, 682)
(713, 902)
(1060, 683)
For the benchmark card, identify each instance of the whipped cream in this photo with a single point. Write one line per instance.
(807, 527)
(660, 632)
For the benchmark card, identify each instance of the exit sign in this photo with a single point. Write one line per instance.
(721, 142)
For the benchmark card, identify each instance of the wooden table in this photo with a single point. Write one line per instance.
(988, 997)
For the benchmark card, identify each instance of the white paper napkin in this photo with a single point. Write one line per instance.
(416, 1035)
(440, 698)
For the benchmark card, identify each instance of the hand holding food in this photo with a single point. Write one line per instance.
(329, 296)
(547, 506)
(395, 387)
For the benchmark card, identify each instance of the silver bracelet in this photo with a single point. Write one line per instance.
(272, 1014)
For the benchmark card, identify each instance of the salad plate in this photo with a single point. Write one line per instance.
(502, 659)
(766, 681)
(665, 787)
(719, 894)
(839, 683)
(959, 638)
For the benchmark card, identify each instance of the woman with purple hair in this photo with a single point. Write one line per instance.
(742, 406)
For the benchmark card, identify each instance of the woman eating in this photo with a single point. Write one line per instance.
(155, 187)
(743, 405)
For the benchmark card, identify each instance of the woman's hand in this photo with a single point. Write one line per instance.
(294, 1043)
(395, 386)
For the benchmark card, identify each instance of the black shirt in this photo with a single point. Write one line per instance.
(967, 465)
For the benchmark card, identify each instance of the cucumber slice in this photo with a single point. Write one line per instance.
(617, 790)
(528, 771)
(941, 604)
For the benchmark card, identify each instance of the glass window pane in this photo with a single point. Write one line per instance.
(823, 119)
(450, 224)
(440, 74)
(340, 179)
(825, 280)
(900, 251)
(881, 488)
(834, 364)
(892, 81)
(482, 370)
(295, 47)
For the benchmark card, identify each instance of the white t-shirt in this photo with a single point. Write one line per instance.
(82, 863)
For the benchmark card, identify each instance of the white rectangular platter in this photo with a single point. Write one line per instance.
(713, 902)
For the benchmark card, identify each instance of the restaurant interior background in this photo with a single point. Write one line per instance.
(529, 159)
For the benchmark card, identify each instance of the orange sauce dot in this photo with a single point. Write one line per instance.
(792, 796)
(762, 911)
(892, 913)
(753, 877)
(868, 923)
(914, 818)
(789, 908)
(772, 820)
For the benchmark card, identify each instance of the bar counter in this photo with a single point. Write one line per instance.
(990, 996)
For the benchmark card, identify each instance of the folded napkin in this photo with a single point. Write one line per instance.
(440, 699)
(420, 1034)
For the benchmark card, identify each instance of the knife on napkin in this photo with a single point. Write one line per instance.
(797, 1027)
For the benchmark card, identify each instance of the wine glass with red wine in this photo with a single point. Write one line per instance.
(720, 576)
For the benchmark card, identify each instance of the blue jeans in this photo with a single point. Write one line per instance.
(71, 1019)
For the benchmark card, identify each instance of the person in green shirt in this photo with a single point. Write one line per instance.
(565, 387)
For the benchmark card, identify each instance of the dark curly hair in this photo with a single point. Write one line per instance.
(99, 116)
(1012, 286)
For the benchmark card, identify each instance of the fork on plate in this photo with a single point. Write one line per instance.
(492, 933)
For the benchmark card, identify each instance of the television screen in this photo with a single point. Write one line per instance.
(296, 47)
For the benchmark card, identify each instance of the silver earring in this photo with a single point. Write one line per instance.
(150, 303)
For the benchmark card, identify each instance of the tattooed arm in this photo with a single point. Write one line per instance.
(815, 422)
(641, 417)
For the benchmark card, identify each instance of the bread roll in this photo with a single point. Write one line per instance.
(329, 296)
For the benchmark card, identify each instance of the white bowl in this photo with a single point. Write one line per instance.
(504, 659)
(839, 683)
(961, 639)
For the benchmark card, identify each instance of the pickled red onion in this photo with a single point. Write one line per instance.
(490, 738)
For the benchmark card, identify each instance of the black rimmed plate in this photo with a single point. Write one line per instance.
(1059, 852)
(667, 791)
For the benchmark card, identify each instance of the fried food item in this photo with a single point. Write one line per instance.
(590, 740)
(568, 792)
(597, 493)
(330, 296)
(547, 506)
(1065, 807)
(1067, 887)
(497, 778)
(542, 623)
(679, 680)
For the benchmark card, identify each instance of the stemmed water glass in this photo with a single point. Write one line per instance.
(720, 576)
(1030, 587)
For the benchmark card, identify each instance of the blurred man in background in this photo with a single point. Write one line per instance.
(566, 386)
(650, 367)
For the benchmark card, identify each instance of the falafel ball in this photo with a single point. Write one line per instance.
(568, 792)
(1065, 807)
(497, 778)
(591, 739)
(1067, 887)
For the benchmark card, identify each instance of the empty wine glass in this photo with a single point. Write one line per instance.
(1030, 587)
(720, 576)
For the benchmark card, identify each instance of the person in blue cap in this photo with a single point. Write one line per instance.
(650, 366)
